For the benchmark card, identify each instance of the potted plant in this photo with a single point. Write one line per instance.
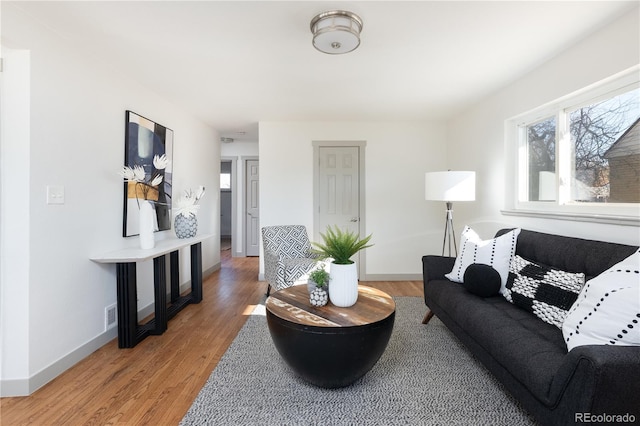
(340, 246)
(319, 278)
(318, 283)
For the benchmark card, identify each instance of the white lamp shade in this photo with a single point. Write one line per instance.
(450, 186)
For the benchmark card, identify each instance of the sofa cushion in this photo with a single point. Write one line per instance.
(546, 292)
(530, 349)
(607, 311)
(481, 280)
(497, 252)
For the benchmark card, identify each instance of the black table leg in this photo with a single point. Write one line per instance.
(160, 294)
(175, 275)
(196, 273)
(127, 305)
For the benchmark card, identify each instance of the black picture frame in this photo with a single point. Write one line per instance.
(144, 139)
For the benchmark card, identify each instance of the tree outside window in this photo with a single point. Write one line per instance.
(601, 152)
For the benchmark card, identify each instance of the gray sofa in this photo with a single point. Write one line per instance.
(530, 356)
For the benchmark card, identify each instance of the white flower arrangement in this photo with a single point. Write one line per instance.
(138, 175)
(189, 204)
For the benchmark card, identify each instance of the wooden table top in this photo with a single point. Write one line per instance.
(292, 304)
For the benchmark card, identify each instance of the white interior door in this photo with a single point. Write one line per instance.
(339, 188)
(252, 229)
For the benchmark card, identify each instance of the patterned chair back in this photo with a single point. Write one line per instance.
(289, 241)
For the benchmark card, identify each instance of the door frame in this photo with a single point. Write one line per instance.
(245, 187)
(361, 145)
(234, 202)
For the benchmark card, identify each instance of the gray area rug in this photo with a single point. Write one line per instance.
(425, 377)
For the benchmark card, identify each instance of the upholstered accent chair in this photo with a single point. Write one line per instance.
(287, 255)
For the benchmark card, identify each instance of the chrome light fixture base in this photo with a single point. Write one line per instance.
(336, 31)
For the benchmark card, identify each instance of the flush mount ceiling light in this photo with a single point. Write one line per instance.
(336, 31)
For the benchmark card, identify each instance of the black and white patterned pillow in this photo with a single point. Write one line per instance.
(547, 292)
(607, 311)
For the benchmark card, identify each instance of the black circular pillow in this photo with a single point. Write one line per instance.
(481, 280)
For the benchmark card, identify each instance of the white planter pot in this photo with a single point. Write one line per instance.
(343, 286)
(147, 225)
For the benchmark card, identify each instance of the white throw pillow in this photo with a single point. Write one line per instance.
(497, 253)
(607, 311)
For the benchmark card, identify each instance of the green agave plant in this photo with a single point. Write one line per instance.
(320, 277)
(340, 245)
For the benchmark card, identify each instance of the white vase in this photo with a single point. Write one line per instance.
(147, 225)
(343, 287)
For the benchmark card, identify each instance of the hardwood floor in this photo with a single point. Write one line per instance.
(156, 382)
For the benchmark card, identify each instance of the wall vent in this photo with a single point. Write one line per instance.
(110, 317)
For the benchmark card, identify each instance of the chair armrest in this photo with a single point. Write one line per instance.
(435, 267)
(272, 263)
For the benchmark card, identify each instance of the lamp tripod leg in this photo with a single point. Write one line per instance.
(449, 232)
(446, 232)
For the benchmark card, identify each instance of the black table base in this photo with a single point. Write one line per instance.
(130, 333)
(330, 357)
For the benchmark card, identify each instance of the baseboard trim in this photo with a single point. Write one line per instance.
(392, 277)
(205, 274)
(25, 387)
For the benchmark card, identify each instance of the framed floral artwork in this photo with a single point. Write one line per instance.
(147, 172)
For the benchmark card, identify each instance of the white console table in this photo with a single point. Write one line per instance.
(130, 333)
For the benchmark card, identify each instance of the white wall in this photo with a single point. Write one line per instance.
(476, 137)
(403, 224)
(14, 216)
(76, 140)
(237, 149)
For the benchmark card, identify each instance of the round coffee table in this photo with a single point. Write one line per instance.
(329, 346)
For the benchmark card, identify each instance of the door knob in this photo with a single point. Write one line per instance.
(354, 219)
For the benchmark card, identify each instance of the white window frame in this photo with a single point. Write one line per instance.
(517, 168)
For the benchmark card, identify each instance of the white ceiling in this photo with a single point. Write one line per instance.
(234, 63)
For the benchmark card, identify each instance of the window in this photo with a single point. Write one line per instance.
(225, 180)
(541, 157)
(581, 154)
(225, 175)
(605, 149)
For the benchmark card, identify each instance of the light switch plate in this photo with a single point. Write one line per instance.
(55, 194)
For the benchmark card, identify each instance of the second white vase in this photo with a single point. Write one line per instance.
(147, 225)
(343, 287)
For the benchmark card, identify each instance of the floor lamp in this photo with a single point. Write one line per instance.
(448, 187)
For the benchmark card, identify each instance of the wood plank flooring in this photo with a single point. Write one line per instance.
(156, 382)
